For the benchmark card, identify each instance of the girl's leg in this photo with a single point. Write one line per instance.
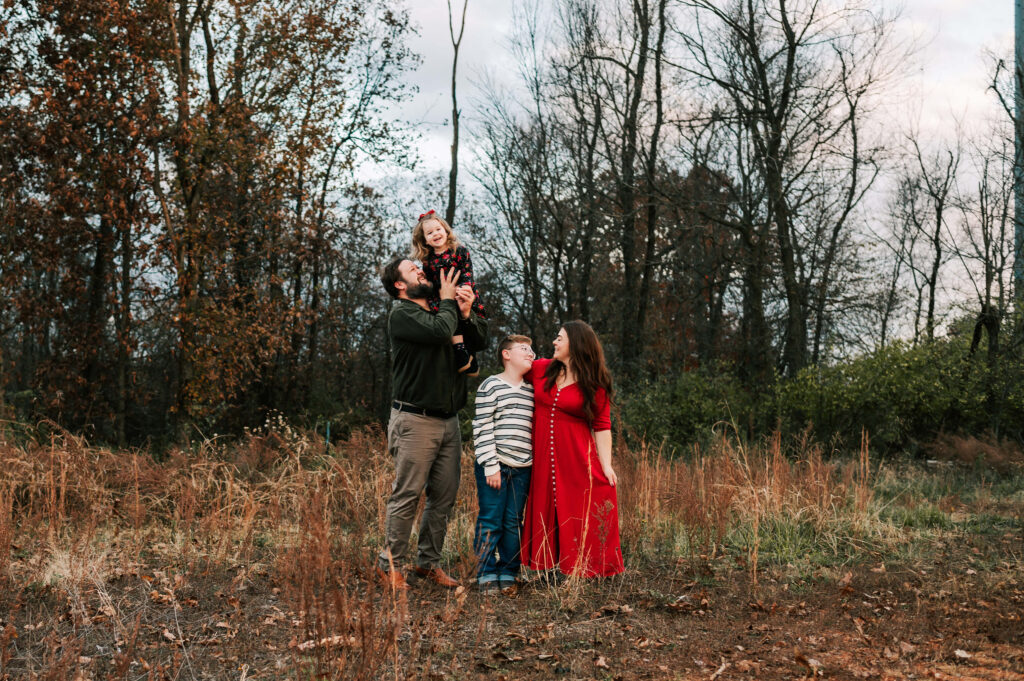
(464, 361)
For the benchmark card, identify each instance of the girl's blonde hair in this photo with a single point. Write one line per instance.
(420, 249)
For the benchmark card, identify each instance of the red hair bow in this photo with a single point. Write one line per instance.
(427, 214)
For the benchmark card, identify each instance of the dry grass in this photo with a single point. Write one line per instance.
(278, 493)
(75, 518)
(1001, 454)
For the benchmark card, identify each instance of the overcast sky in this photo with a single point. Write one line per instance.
(949, 79)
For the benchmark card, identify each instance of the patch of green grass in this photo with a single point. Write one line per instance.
(911, 482)
(922, 516)
(988, 523)
(797, 543)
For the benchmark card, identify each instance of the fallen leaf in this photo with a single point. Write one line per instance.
(328, 642)
(616, 609)
(808, 662)
(962, 654)
(169, 636)
(880, 568)
(501, 655)
(907, 648)
(600, 662)
(718, 672)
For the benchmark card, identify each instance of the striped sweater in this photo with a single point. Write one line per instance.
(503, 425)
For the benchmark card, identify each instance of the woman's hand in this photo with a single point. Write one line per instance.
(609, 473)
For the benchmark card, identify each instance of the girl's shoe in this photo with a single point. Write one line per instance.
(463, 360)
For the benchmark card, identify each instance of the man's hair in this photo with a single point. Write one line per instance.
(508, 341)
(390, 274)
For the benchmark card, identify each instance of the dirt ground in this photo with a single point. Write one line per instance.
(956, 616)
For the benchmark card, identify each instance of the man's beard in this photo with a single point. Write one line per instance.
(420, 291)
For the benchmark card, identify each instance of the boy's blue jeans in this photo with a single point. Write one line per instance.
(500, 523)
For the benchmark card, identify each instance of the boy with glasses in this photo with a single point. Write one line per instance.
(503, 440)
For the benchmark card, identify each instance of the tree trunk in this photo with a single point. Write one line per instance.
(652, 201)
(627, 196)
(453, 174)
(123, 335)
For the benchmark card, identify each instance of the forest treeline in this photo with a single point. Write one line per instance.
(190, 234)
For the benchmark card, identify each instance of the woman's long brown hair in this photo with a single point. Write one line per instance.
(587, 358)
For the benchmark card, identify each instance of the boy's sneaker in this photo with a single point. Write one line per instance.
(509, 587)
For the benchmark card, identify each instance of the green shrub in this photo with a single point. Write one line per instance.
(679, 411)
(903, 395)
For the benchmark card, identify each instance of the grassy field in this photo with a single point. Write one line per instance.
(253, 560)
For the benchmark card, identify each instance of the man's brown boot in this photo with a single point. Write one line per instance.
(437, 576)
(392, 579)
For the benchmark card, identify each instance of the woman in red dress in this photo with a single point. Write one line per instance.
(572, 515)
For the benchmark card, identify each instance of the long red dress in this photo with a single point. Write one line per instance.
(572, 514)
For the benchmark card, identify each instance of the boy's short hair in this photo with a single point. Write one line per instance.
(390, 274)
(509, 341)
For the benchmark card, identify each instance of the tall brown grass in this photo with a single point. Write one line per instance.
(227, 501)
(314, 516)
(688, 505)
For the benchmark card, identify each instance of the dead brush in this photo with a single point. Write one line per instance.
(671, 504)
(698, 501)
(7, 530)
(351, 630)
(1003, 455)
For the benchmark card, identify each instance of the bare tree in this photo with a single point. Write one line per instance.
(796, 76)
(928, 184)
(984, 239)
(449, 213)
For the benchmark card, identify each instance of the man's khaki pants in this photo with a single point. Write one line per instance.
(427, 452)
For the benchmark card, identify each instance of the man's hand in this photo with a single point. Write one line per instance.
(448, 281)
(464, 296)
(494, 480)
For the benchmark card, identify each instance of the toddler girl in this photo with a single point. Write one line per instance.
(435, 245)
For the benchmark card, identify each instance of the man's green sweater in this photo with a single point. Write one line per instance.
(422, 362)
